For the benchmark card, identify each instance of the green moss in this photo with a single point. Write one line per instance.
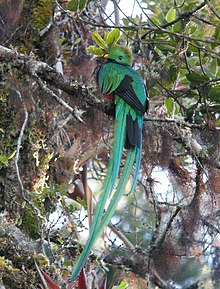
(42, 13)
(42, 154)
(7, 268)
(42, 260)
(29, 223)
(15, 259)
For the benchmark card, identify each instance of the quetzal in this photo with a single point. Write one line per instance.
(118, 80)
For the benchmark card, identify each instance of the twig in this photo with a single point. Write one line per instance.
(60, 100)
(116, 12)
(206, 21)
(19, 141)
(41, 276)
(120, 235)
(159, 281)
(88, 194)
(168, 227)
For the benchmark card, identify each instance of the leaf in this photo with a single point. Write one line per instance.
(155, 20)
(49, 281)
(173, 72)
(112, 37)
(77, 41)
(11, 155)
(168, 102)
(216, 36)
(4, 158)
(196, 78)
(67, 263)
(123, 285)
(105, 35)
(177, 27)
(171, 15)
(95, 50)
(75, 5)
(213, 66)
(170, 105)
(165, 48)
(98, 40)
(191, 28)
(214, 94)
(82, 280)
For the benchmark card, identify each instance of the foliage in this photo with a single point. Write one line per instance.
(4, 159)
(110, 39)
(77, 5)
(195, 72)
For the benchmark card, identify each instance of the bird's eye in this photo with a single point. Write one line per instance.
(120, 57)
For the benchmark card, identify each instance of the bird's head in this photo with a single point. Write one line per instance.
(119, 54)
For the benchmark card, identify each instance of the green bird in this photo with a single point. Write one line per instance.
(119, 81)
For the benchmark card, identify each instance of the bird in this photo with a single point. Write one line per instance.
(117, 80)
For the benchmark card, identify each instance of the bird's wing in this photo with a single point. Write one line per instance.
(126, 92)
(108, 79)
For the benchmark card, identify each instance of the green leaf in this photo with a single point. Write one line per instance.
(213, 66)
(77, 41)
(105, 35)
(98, 40)
(173, 72)
(177, 27)
(123, 285)
(193, 61)
(168, 102)
(112, 37)
(95, 50)
(214, 94)
(155, 20)
(11, 155)
(196, 78)
(165, 48)
(191, 28)
(67, 263)
(75, 5)
(217, 34)
(170, 105)
(171, 15)
(4, 159)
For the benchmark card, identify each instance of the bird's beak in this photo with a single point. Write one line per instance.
(106, 55)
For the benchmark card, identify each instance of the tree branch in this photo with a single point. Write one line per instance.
(33, 67)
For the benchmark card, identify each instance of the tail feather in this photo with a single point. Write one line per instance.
(137, 168)
(98, 227)
(119, 141)
(138, 158)
(109, 183)
(96, 221)
(133, 152)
